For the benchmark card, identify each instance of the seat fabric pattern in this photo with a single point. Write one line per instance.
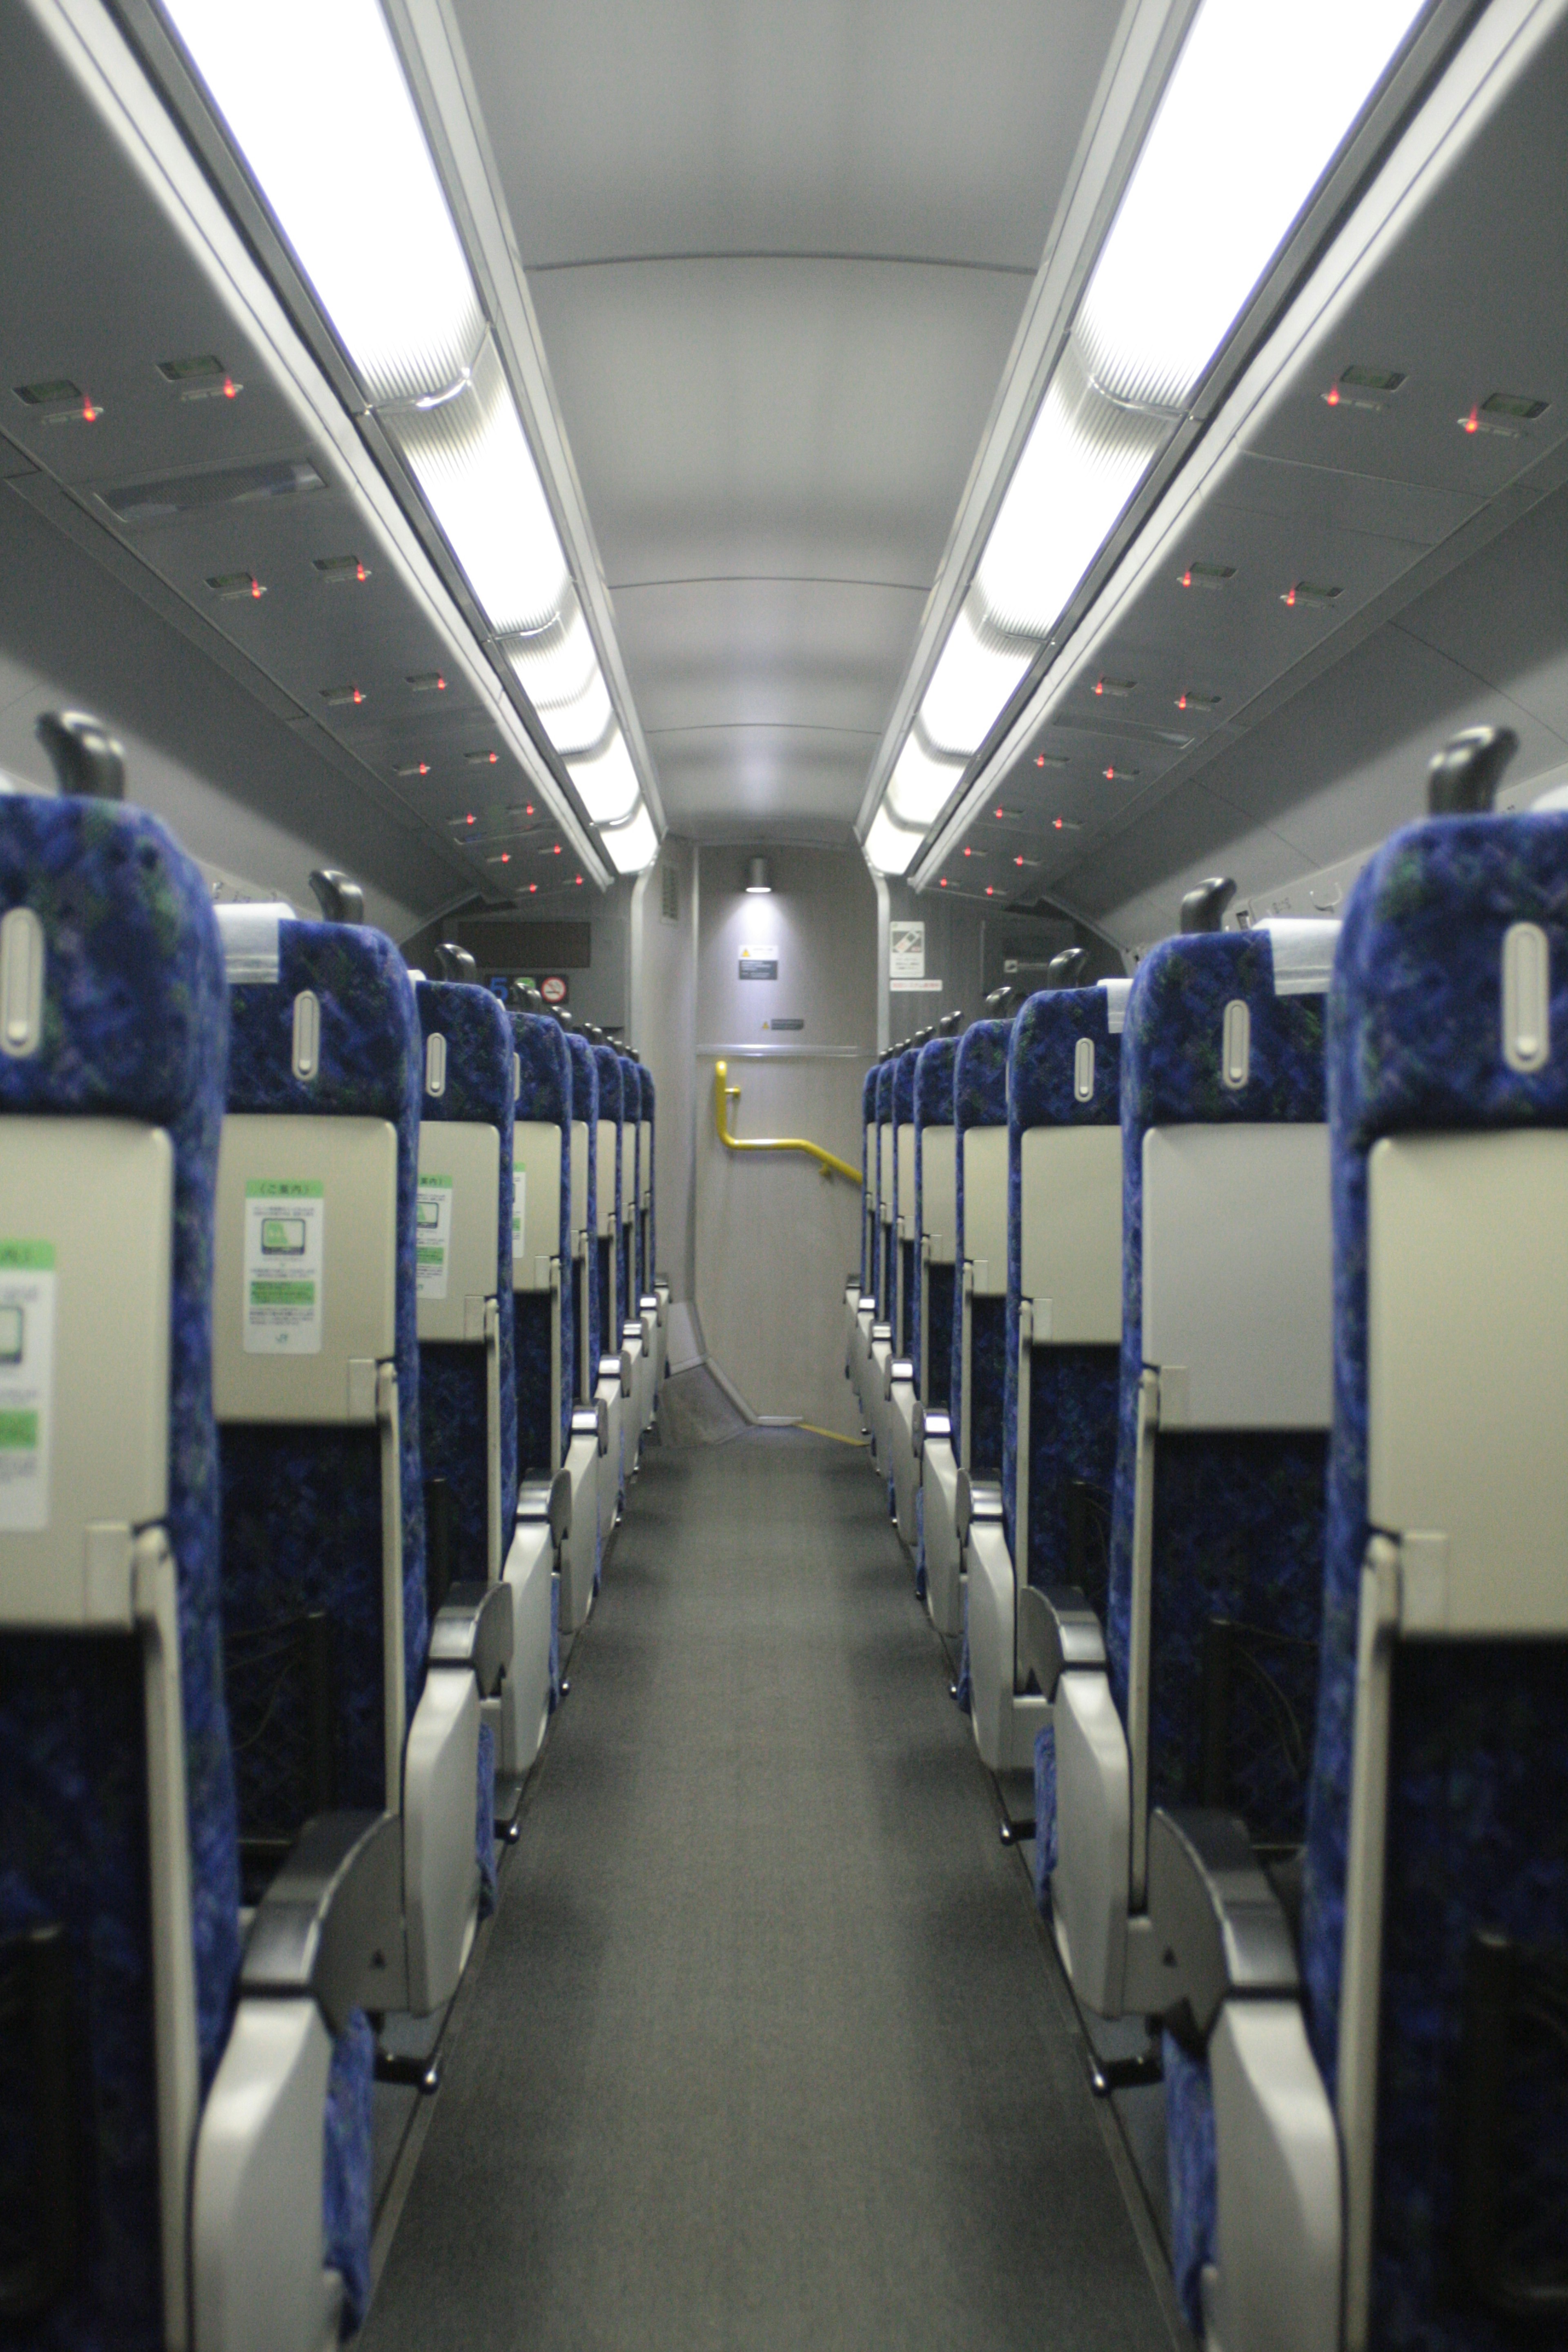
(453, 1402)
(934, 1107)
(1073, 1390)
(302, 1506)
(347, 2173)
(1237, 1519)
(1190, 2173)
(881, 1270)
(134, 1026)
(907, 1257)
(607, 1063)
(868, 1179)
(650, 1112)
(485, 1820)
(625, 1233)
(979, 1099)
(1477, 1784)
(545, 1097)
(585, 1101)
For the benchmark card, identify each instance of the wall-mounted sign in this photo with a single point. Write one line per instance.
(907, 951)
(777, 1024)
(915, 987)
(553, 988)
(759, 964)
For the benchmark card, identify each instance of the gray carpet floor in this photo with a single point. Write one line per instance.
(763, 2051)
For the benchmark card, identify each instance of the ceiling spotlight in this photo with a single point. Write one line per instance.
(758, 881)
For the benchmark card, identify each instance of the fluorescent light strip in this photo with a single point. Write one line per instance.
(317, 102)
(890, 847)
(634, 845)
(1259, 104)
(316, 99)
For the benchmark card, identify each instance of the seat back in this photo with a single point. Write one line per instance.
(118, 1861)
(906, 1256)
(545, 1334)
(584, 1159)
(936, 1222)
(1064, 1286)
(980, 1188)
(1223, 1397)
(1434, 1932)
(868, 1179)
(315, 1371)
(882, 1238)
(648, 1213)
(630, 1271)
(607, 1179)
(467, 1385)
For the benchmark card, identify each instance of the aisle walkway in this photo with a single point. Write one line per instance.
(764, 2052)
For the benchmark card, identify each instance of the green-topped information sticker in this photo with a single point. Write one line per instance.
(518, 1210)
(27, 1383)
(285, 1243)
(433, 1238)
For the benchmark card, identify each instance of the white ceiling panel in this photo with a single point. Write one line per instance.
(797, 418)
(778, 251)
(910, 127)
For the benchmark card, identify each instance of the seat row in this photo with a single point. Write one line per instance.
(328, 1337)
(1212, 1337)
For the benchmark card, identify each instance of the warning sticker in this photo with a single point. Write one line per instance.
(433, 1239)
(285, 1239)
(519, 1208)
(27, 1383)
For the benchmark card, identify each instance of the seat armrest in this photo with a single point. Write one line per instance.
(1216, 1917)
(551, 1498)
(929, 1422)
(900, 1368)
(977, 1499)
(473, 1629)
(592, 1420)
(332, 1918)
(1057, 1630)
(617, 1368)
(880, 1331)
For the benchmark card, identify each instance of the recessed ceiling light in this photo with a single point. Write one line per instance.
(1206, 575)
(341, 570)
(234, 587)
(59, 401)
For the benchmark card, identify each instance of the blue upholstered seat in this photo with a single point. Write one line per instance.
(906, 1256)
(303, 1526)
(134, 1027)
(630, 1283)
(611, 1294)
(881, 1239)
(980, 1100)
(586, 1266)
(1477, 1774)
(545, 1098)
(1072, 1422)
(930, 1335)
(453, 1435)
(868, 1178)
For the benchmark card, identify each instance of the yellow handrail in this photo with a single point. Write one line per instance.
(722, 1098)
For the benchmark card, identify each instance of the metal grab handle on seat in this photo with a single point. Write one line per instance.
(722, 1096)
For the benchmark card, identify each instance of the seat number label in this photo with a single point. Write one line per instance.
(433, 1239)
(27, 1383)
(285, 1241)
(519, 1211)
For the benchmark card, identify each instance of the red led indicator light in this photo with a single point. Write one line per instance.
(968, 852)
(991, 889)
(424, 768)
(528, 811)
(998, 812)
(359, 572)
(1186, 579)
(1181, 701)
(256, 589)
(556, 852)
(579, 881)
(1100, 685)
(359, 694)
(506, 858)
(1017, 861)
(942, 883)
(1039, 759)
(1332, 395)
(1110, 775)
(534, 885)
(467, 820)
(1058, 823)
(1471, 424)
(1289, 597)
(230, 389)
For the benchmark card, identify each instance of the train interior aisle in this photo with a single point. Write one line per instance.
(763, 2046)
(784, 1175)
